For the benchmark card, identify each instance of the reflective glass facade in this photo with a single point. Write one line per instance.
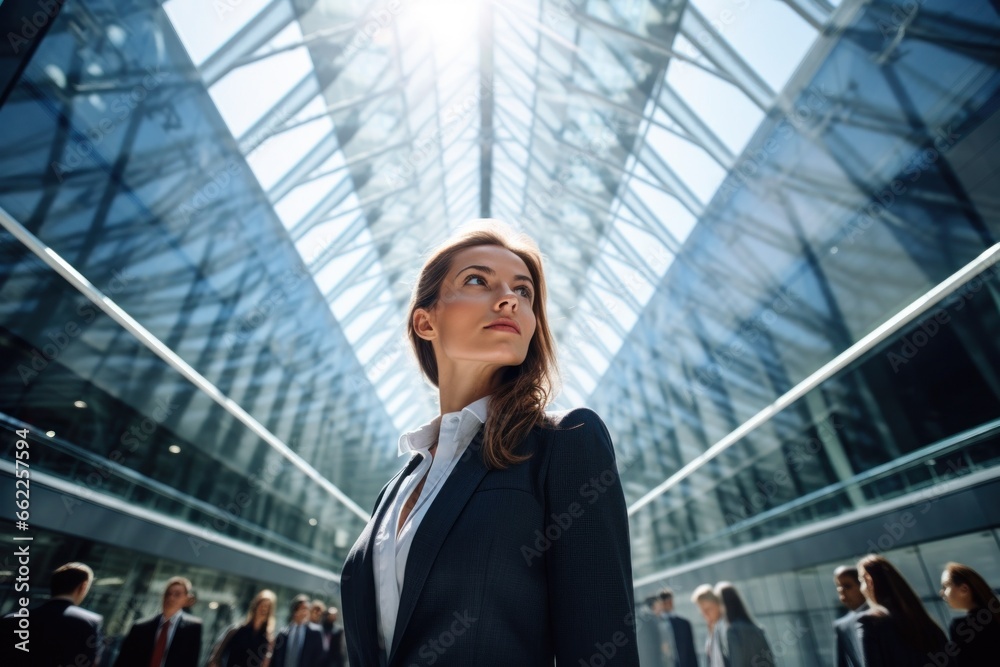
(213, 214)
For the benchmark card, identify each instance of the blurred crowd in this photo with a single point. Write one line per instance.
(61, 632)
(884, 624)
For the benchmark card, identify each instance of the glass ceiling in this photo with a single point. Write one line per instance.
(602, 128)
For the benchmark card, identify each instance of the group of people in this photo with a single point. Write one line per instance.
(888, 626)
(62, 632)
(734, 639)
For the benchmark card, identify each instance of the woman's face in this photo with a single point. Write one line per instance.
(957, 597)
(263, 610)
(483, 284)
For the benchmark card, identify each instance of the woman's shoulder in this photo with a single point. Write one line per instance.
(575, 422)
(874, 618)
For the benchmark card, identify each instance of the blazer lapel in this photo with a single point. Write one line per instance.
(434, 528)
(365, 594)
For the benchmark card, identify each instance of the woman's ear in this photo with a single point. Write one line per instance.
(422, 324)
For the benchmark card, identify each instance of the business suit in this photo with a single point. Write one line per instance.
(882, 645)
(747, 646)
(847, 649)
(61, 634)
(520, 566)
(311, 654)
(183, 650)
(651, 641)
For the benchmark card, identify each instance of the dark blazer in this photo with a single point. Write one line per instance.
(184, 649)
(883, 646)
(520, 566)
(847, 649)
(747, 645)
(684, 637)
(61, 634)
(651, 642)
(312, 647)
(973, 643)
(334, 656)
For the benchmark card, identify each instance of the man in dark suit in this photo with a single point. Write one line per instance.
(333, 639)
(62, 633)
(300, 643)
(676, 636)
(847, 649)
(169, 639)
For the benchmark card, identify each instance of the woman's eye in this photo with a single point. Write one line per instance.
(527, 291)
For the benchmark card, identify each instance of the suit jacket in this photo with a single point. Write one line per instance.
(61, 634)
(312, 647)
(651, 642)
(883, 646)
(747, 645)
(847, 648)
(334, 656)
(520, 566)
(975, 644)
(684, 638)
(184, 649)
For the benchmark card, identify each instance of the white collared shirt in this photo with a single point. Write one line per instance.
(391, 550)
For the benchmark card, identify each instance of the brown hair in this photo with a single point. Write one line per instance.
(518, 404)
(66, 578)
(890, 591)
(269, 596)
(983, 596)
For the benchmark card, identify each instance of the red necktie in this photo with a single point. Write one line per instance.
(161, 645)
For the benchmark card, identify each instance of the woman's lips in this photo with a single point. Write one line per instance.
(503, 327)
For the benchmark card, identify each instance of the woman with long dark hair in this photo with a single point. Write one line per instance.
(248, 644)
(897, 631)
(975, 637)
(504, 540)
(745, 641)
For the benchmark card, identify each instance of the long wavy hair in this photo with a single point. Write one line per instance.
(265, 595)
(900, 602)
(518, 404)
(983, 596)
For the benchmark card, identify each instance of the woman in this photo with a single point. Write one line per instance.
(975, 637)
(896, 631)
(504, 541)
(745, 640)
(248, 644)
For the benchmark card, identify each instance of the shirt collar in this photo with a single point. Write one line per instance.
(422, 437)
